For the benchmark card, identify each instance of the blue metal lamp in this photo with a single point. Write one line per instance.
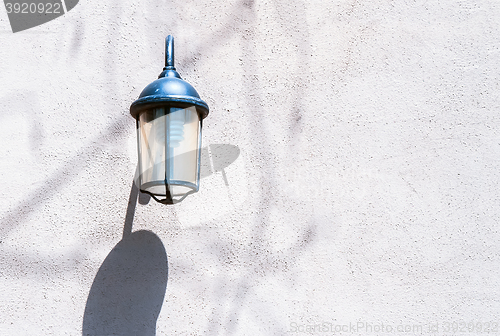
(169, 115)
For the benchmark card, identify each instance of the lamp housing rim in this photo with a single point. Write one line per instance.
(146, 103)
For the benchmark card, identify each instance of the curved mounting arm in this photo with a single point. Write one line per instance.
(169, 52)
(169, 69)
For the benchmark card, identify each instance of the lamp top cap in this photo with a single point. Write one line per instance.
(169, 89)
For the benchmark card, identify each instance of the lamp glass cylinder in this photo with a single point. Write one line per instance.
(169, 142)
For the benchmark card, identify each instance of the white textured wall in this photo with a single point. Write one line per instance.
(366, 189)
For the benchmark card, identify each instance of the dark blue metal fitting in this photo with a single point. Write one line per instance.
(169, 89)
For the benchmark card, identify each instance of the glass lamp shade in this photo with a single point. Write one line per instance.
(169, 143)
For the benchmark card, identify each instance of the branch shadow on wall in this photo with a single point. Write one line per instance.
(128, 291)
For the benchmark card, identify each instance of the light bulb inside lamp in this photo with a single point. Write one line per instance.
(176, 119)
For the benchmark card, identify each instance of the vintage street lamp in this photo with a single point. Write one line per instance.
(169, 115)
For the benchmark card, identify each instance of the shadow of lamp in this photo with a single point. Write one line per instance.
(169, 116)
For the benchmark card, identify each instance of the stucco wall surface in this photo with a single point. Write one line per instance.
(364, 192)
